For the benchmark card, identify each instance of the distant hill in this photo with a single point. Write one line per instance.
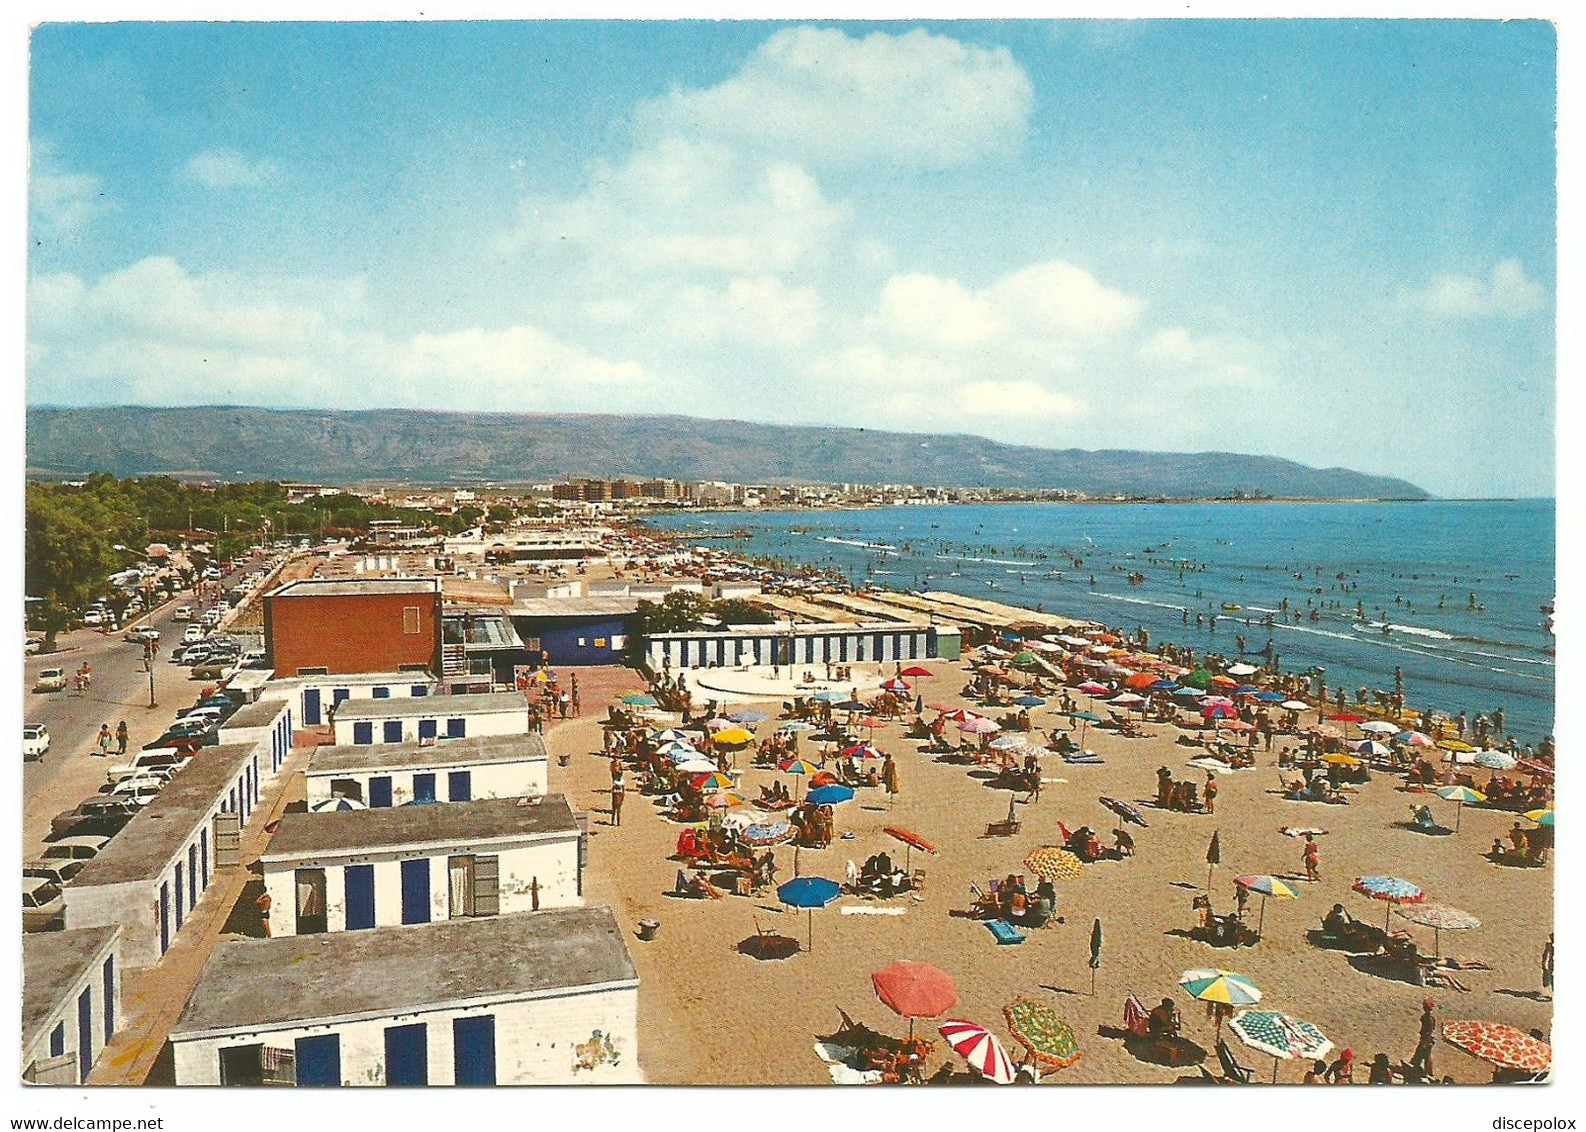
(325, 446)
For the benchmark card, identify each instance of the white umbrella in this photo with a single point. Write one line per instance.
(1295, 705)
(696, 766)
(1242, 670)
(1380, 727)
(1496, 760)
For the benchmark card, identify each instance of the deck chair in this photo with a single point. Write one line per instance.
(1232, 1070)
(1136, 1019)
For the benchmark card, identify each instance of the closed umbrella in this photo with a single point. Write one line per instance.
(1095, 953)
(977, 1045)
(809, 893)
(915, 990)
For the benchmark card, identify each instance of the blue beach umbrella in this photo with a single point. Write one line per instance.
(1030, 701)
(1270, 697)
(809, 893)
(748, 715)
(1246, 690)
(830, 696)
(1164, 686)
(637, 700)
(831, 795)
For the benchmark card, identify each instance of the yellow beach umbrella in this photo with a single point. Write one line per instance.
(733, 736)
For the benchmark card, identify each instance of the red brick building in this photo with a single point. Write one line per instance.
(353, 625)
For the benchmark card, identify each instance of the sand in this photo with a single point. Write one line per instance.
(709, 1015)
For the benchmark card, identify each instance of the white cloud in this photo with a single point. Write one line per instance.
(155, 334)
(1225, 359)
(64, 204)
(228, 168)
(935, 311)
(1014, 399)
(1508, 293)
(690, 207)
(762, 312)
(916, 99)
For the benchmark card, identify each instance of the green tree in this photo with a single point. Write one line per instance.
(736, 611)
(679, 612)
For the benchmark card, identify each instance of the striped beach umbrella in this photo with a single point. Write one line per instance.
(862, 751)
(1213, 984)
(1460, 795)
(1266, 886)
(715, 780)
(1541, 817)
(673, 735)
(980, 1048)
(896, 684)
(1415, 739)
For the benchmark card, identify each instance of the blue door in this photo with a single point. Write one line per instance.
(459, 786)
(426, 729)
(165, 918)
(318, 1060)
(338, 695)
(416, 891)
(359, 880)
(193, 879)
(85, 1034)
(179, 909)
(311, 706)
(380, 792)
(203, 854)
(58, 1039)
(407, 1055)
(420, 690)
(363, 733)
(382, 693)
(391, 731)
(474, 1050)
(110, 997)
(423, 788)
(456, 728)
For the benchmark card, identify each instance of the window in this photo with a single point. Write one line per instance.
(58, 1040)
(419, 690)
(391, 731)
(411, 619)
(313, 672)
(358, 885)
(382, 693)
(363, 733)
(110, 997)
(380, 792)
(427, 728)
(346, 788)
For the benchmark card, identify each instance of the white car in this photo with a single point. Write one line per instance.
(78, 847)
(193, 633)
(51, 680)
(212, 618)
(93, 617)
(35, 741)
(142, 634)
(183, 613)
(140, 789)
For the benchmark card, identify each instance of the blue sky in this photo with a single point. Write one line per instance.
(1330, 241)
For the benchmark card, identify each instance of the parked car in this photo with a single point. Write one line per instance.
(56, 872)
(150, 761)
(77, 847)
(142, 633)
(191, 653)
(215, 668)
(35, 741)
(51, 680)
(42, 904)
(140, 789)
(104, 816)
(33, 645)
(93, 617)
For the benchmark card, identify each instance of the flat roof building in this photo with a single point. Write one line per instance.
(393, 774)
(71, 1002)
(334, 627)
(415, 720)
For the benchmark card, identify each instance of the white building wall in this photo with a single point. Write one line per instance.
(553, 864)
(537, 1041)
(513, 721)
(529, 778)
(91, 980)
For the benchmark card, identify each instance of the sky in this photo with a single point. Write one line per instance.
(1331, 241)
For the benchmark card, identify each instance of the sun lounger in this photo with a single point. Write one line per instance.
(1232, 1070)
(1005, 932)
(1083, 758)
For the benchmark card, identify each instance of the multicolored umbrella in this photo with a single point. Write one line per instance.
(1280, 1036)
(978, 1046)
(915, 990)
(896, 684)
(1053, 862)
(862, 751)
(337, 803)
(1415, 739)
(673, 735)
(1461, 795)
(1219, 711)
(1128, 811)
(1212, 984)
(715, 780)
(1391, 889)
(764, 833)
(1267, 886)
(1440, 918)
(1500, 1045)
(1036, 1027)
(1541, 817)
(1370, 748)
(1092, 688)
(799, 766)
(724, 800)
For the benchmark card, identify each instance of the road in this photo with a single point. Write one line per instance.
(70, 772)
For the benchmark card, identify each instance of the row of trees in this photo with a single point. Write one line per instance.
(684, 612)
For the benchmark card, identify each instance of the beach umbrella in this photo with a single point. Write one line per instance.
(911, 841)
(809, 893)
(1164, 686)
(1370, 748)
(1213, 984)
(830, 696)
(1030, 701)
(1025, 659)
(733, 737)
(696, 765)
(1216, 701)
(796, 727)
(1141, 680)
(1246, 690)
(1073, 642)
(1347, 717)
(833, 795)
(337, 803)
(850, 705)
(1047, 1038)
(1127, 700)
(1266, 886)
(1218, 711)
(639, 700)
(1439, 917)
(1341, 760)
(748, 715)
(798, 766)
(1496, 760)
(673, 735)
(1461, 795)
(915, 990)
(862, 751)
(896, 684)
(1009, 742)
(724, 800)
(1223, 681)
(916, 671)
(1190, 694)
(1455, 745)
(979, 725)
(1295, 705)
(1053, 862)
(714, 780)
(1538, 769)
(1541, 817)
(762, 834)
(1280, 1036)
(1084, 716)
(1242, 670)
(1415, 739)
(1393, 890)
(1270, 697)
(870, 722)
(976, 1045)
(1092, 688)
(1128, 811)
(1380, 727)
(1500, 1045)
(718, 723)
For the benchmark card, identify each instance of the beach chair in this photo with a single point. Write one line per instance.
(917, 881)
(1136, 1019)
(1232, 1070)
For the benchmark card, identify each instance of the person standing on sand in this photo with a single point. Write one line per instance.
(889, 774)
(1547, 965)
(1422, 1058)
(1312, 857)
(1210, 793)
(121, 737)
(617, 794)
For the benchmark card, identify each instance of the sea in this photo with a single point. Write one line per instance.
(1457, 595)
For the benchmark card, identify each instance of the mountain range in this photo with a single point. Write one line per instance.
(335, 447)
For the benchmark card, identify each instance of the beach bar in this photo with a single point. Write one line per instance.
(526, 999)
(345, 870)
(448, 770)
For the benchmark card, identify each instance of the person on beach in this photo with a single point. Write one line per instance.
(1164, 787)
(1422, 1058)
(1341, 1072)
(618, 791)
(1547, 965)
(889, 774)
(1381, 1071)
(1210, 793)
(1311, 855)
(105, 740)
(1316, 1074)
(121, 737)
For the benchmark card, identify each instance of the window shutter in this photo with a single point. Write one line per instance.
(487, 886)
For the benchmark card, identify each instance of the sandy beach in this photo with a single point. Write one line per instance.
(711, 1015)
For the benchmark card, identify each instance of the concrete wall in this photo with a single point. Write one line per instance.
(91, 980)
(351, 632)
(554, 864)
(577, 640)
(731, 648)
(508, 721)
(275, 738)
(330, 689)
(537, 1041)
(529, 778)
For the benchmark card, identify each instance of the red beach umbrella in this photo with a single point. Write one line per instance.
(915, 990)
(917, 671)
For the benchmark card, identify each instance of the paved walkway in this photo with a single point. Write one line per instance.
(152, 999)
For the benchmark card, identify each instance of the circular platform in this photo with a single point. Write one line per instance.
(733, 685)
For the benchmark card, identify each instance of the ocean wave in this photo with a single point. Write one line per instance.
(987, 561)
(1412, 630)
(1136, 600)
(855, 542)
